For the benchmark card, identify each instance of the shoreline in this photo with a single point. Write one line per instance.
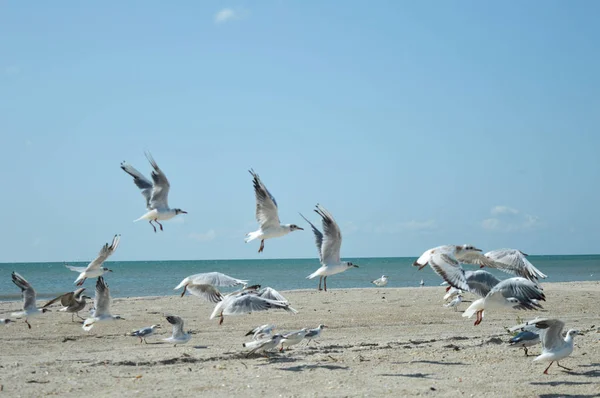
(379, 341)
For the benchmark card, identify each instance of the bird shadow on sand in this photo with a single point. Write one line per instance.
(560, 383)
(301, 368)
(431, 363)
(200, 347)
(412, 375)
(567, 395)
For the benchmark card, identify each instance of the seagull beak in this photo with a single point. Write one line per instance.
(184, 212)
(110, 270)
(355, 266)
(477, 250)
(301, 229)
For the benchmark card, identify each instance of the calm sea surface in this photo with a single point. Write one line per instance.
(158, 278)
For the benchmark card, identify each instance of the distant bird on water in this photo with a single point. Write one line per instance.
(381, 282)
(95, 269)
(267, 215)
(156, 193)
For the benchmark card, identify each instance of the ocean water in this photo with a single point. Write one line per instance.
(158, 278)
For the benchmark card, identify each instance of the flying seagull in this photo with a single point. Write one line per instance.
(554, 346)
(29, 307)
(260, 332)
(72, 302)
(466, 254)
(101, 306)
(95, 269)
(328, 246)
(263, 345)
(156, 193)
(178, 336)
(194, 282)
(267, 216)
(514, 262)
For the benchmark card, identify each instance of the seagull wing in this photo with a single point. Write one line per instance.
(318, 237)
(216, 279)
(267, 213)
(271, 294)
(481, 282)
(177, 323)
(474, 258)
(449, 269)
(514, 262)
(207, 292)
(160, 189)
(332, 240)
(63, 298)
(105, 253)
(520, 289)
(26, 290)
(550, 332)
(247, 303)
(102, 298)
(139, 180)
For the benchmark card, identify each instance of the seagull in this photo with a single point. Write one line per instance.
(145, 332)
(517, 293)
(263, 345)
(293, 338)
(451, 292)
(525, 339)
(554, 346)
(29, 307)
(246, 302)
(381, 282)
(5, 321)
(328, 246)
(155, 192)
(101, 306)
(208, 278)
(72, 302)
(267, 216)
(314, 333)
(514, 262)
(466, 254)
(179, 336)
(260, 332)
(94, 268)
(454, 303)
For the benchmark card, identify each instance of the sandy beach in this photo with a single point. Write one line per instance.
(379, 342)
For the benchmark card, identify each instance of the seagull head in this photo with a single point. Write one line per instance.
(321, 326)
(179, 211)
(349, 264)
(155, 327)
(45, 310)
(294, 227)
(574, 332)
(469, 248)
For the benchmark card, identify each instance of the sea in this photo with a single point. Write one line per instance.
(159, 278)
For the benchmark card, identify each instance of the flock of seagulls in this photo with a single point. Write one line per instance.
(521, 291)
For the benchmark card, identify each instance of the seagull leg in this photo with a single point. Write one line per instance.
(281, 349)
(526, 354)
(83, 319)
(325, 282)
(184, 290)
(156, 221)
(560, 366)
(150, 221)
(546, 371)
(27, 323)
(262, 246)
(81, 282)
(221, 319)
(320, 279)
(145, 342)
(479, 318)
(140, 340)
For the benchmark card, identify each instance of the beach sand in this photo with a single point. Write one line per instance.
(379, 342)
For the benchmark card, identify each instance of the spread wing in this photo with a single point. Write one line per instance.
(247, 303)
(318, 237)
(65, 299)
(160, 189)
(271, 294)
(102, 298)
(514, 262)
(140, 181)
(26, 290)
(449, 269)
(207, 292)
(550, 332)
(105, 253)
(481, 282)
(332, 240)
(216, 279)
(267, 213)
(177, 323)
(474, 258)
(522, 290)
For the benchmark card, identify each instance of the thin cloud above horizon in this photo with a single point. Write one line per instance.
(228, 14)
(509, 219)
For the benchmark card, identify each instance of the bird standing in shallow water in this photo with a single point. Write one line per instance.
(267, 215)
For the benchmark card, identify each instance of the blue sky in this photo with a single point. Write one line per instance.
(415, 124)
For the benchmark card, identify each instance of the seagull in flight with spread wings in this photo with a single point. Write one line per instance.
(29, 307)
(94, 268)
(267, 216)
(328, 246)
(155, 192)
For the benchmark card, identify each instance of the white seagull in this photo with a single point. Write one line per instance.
(267, 216)
(155, 192)
(101, 306)
(29, 307)
(263, 345)
(260, 332)
(72, 302)
(246, 302)
(466, 254)
(525, 339)
(381, 282)
(179, 336)
(514, 262)
(194, 283)
(95, 269)
(293, 338)
(554, 346)
(314, 333)
(328, 246)
(454, 303)
(145, 332)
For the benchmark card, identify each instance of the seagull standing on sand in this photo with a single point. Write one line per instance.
(94, 269)
(554, 346)
(514, 262)
(455, 302)
(314, 333)
(29, 307)
(72, 302)
(179, 336)
(263, 345)
(145, 332)
(267, 216)
(381, 282)
(328, 246)
(293, 338)
(156, 193)
(101, 306)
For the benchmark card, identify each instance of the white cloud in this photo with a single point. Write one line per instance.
(228, 14)
(508, 219)
(204, 237)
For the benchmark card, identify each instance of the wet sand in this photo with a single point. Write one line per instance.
(379, 342)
